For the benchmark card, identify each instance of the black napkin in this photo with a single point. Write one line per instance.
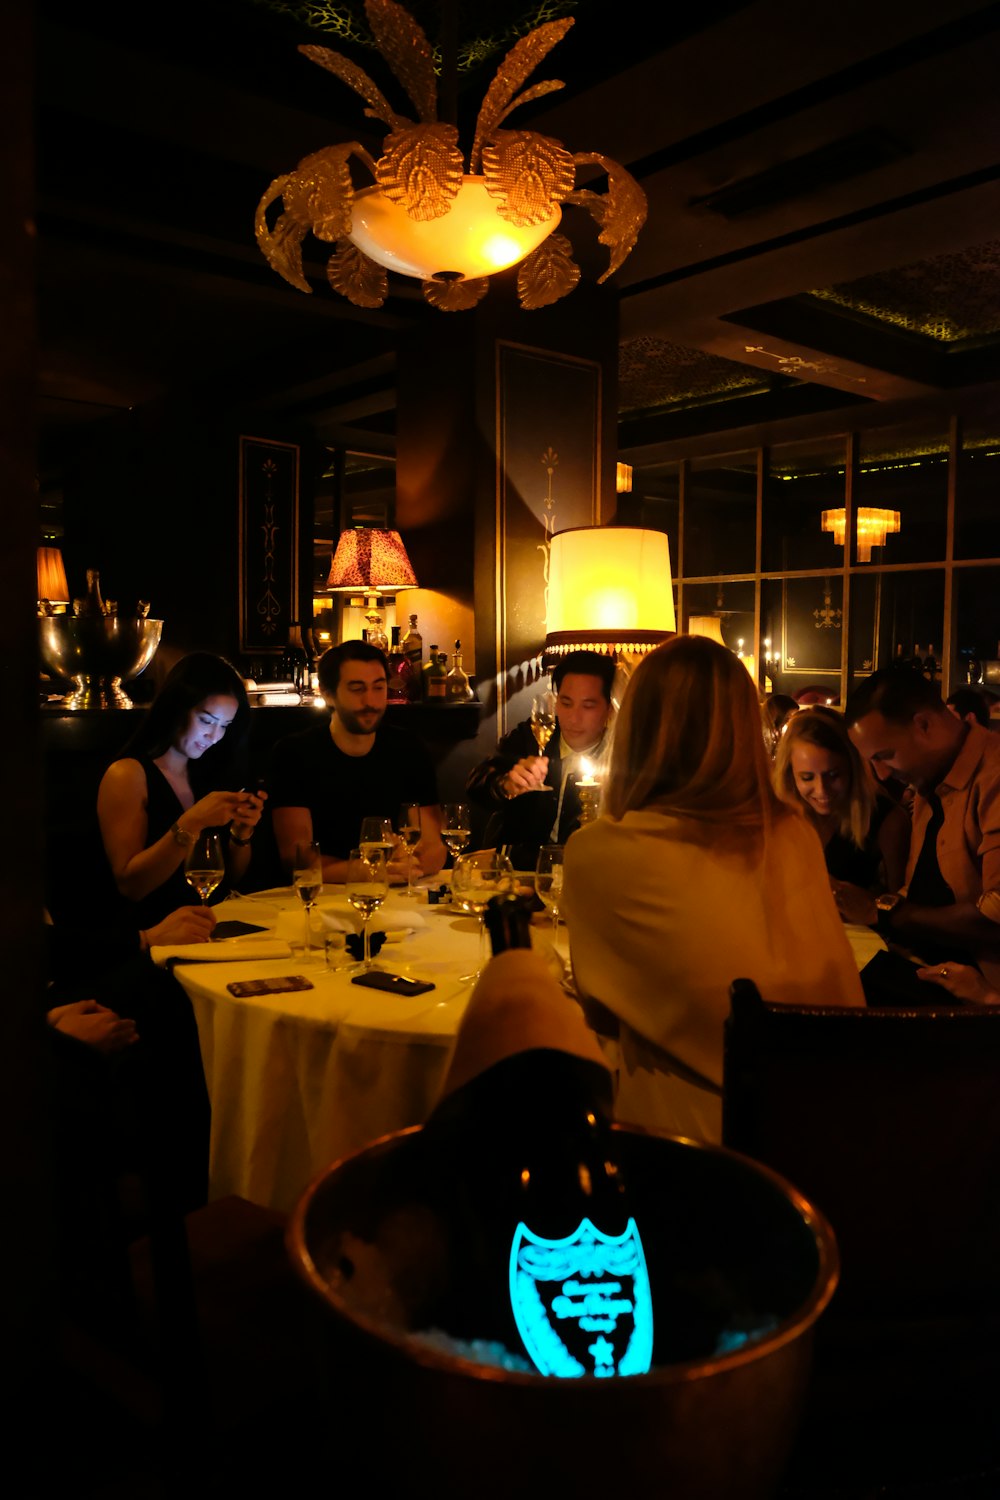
(355, 943)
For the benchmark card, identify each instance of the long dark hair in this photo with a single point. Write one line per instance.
(189, 682)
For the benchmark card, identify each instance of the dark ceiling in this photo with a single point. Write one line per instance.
(823, 184)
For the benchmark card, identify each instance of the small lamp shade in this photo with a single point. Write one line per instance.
(369, 560)
(52, 584)
(609, 590)
(709, 626)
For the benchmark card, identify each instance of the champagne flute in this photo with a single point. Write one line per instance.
(377, 836)
(204, 865)
(456, 827)
(408, 830)
(307, 878)
(474, 879)
(543, 719)
(367, 887)
(549, 879)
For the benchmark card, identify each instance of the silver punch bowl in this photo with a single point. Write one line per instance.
(98, 653)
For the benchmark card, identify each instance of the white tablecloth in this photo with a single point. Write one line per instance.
(299, 1079)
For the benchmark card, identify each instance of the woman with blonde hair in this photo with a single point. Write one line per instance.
(864, 833)
(696, 874)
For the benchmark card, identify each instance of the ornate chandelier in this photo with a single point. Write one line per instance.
(873, 526)
(425, 216)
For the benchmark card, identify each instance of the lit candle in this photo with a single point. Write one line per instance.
(588, 778)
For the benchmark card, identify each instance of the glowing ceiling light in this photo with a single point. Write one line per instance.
(873, 526)
(426, 216)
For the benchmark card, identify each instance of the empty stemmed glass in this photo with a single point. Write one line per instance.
(549, 879)
(456, 827)
(475, 878)
(376, 834)
(408, 831)
(367, 886)
(204, 864)
(307, 878)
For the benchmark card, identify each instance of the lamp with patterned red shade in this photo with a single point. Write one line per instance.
(371, 561)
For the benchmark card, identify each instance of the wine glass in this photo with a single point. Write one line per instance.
(204, 865)
(549, 879)
(455, 827)
(543, 719)
(307, 878)
(376, 836)
(474, 879)
(408, 830)
(367, 887)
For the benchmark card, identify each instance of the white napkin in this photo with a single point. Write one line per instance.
(339, 916)
(225, 952)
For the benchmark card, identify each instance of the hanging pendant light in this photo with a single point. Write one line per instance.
(873, 526)
(428, 217)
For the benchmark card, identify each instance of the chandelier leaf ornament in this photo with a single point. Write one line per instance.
(425, 215)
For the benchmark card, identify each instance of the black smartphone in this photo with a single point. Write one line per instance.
(241, 987)
(394, 983)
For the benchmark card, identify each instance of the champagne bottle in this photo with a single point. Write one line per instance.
(92, 604)
(547, 1259)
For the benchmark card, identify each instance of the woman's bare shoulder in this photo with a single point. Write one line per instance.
(124, 776)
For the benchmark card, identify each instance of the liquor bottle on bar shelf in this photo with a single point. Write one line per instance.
(436, 680)
(457, 689)
(400, 689)
(293, 659)
(413, 645)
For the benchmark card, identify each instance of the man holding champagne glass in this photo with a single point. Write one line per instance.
(530, 780)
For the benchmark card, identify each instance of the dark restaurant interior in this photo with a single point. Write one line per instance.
(809, 320)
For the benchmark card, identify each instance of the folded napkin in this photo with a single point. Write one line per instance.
(338, 915)
(220, 953)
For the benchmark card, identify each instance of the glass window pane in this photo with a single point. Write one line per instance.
(977, 492)
(801, 481)
(728, 605)
(895, 617)
(720, 516)
(802, 620)
(654, 503)
(977, 627)
(905, 469)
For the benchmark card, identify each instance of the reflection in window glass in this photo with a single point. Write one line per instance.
(802, 619)
(977, 492)
(905, 469)
(977, 627)
(802, 480)
(720, 516)
(654, 504)
(725, 607)
(895, 617)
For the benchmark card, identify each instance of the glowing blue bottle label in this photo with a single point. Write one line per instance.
(582, 1304)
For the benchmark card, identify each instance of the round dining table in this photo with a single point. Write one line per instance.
(301, 1078)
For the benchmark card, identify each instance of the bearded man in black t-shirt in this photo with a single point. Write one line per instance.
(325, 780)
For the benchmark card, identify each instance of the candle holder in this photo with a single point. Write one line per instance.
(590, 799)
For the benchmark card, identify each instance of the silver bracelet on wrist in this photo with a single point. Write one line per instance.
(182, 836)
(240, 843)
